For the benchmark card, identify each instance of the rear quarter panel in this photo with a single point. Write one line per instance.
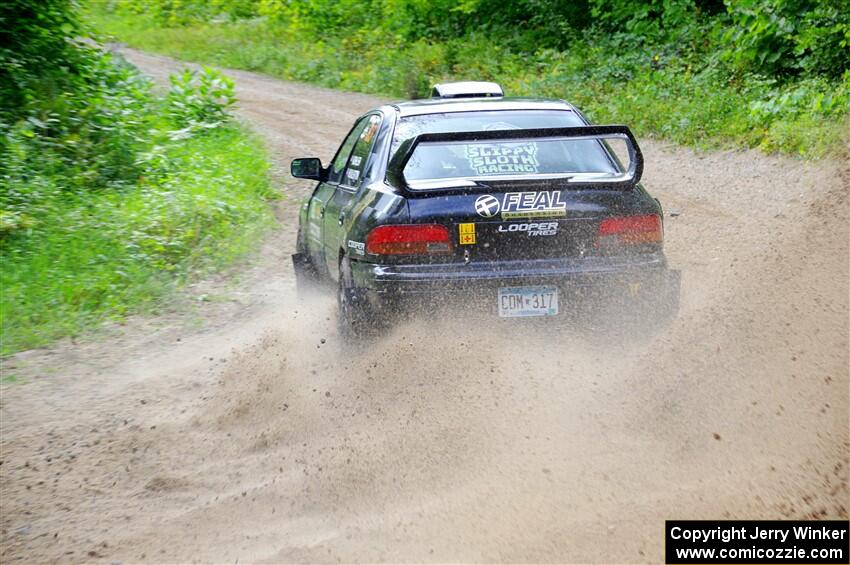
(376, 204)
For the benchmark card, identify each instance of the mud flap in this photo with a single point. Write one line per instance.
(306, 276)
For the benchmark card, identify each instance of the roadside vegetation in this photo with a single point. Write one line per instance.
(772, 74)
(111, 196)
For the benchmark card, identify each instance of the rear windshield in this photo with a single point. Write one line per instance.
(547, 156)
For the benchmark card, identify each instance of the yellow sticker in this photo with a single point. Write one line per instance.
(466, 234)
(634, 288)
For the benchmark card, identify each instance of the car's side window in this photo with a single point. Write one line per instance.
(341, 158)
(359, 160)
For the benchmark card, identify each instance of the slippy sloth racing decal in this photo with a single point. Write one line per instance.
(502, 158)
(522, 205)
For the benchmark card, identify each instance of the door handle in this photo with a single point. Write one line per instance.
(341, 218)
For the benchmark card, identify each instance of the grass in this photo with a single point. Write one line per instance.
(104, 255)
(667, 96)
(10, 380)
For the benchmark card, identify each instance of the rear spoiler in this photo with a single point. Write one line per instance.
(395, 168)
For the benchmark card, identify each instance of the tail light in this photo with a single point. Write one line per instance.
(630, 230)
(409, 239)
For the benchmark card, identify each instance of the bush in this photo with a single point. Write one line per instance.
(200, 101)
(95, 258)
(110, 195)
(790, 37)
(40, 54)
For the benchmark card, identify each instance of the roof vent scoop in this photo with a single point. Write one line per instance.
(470, 89)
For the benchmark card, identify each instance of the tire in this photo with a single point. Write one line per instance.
(355, 319)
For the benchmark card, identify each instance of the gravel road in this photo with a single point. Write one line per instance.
(231, 428)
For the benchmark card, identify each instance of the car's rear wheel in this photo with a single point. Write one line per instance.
(355, 319)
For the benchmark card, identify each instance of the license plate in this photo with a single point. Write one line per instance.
(522, 301)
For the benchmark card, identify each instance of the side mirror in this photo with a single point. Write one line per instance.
(309, 168)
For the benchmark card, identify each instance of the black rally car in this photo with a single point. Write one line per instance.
(515, 207)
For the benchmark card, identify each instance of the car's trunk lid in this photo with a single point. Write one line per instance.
(523, 224)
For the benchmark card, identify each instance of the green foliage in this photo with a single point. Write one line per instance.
(781, 37)
(110, 195)
(673, 68)
(773, 37)
(200, 101)
(100, 258)
(177, 13)
(88, 136)
(39, 52)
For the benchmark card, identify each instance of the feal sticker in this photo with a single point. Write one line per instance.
(522, 205)
(466, 234)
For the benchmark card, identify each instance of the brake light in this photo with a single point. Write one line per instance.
(409, 239)
(630, 230)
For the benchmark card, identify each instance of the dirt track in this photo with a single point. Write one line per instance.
(230, 431)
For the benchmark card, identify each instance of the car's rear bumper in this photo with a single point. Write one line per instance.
(440, 277)
(577, 279)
